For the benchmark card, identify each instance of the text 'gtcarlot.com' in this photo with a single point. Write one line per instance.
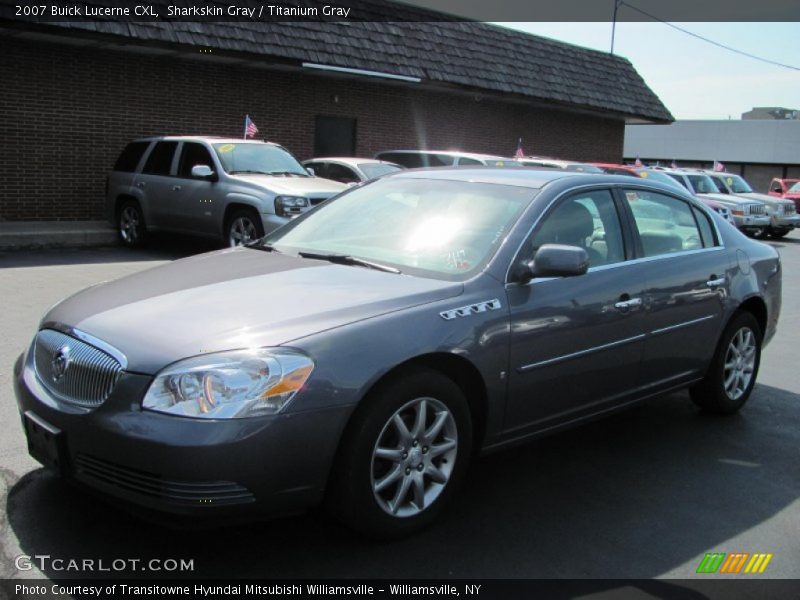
(45, 562)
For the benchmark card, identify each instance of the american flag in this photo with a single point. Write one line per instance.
(718, 166)
(638, 163)
(520, 153)
(673, 165)
(250, 129)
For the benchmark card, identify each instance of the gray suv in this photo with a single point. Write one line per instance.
(231, 189)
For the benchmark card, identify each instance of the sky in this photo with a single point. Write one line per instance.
(694, 79)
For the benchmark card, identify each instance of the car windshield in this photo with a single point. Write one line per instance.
(660, 177)
(258, 158)
(736, 184)
(581, 168)
(702, 184)
(372, 170)
(795, 189)
(430, 228)
(501, 162)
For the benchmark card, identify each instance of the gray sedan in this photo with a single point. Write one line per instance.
(363, 353)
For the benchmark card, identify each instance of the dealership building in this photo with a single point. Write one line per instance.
(75, 93)
(757, 149)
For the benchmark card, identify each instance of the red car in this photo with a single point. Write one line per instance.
(786, 188)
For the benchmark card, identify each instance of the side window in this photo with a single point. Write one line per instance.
(160, 160)
(776, 187)
(191, 155)
(341, 173)
(129, 158)
(720, 186)
(588, 220)
(665, 224)
(679, 179)
(706, 230)
(468, 161)
(407, 159)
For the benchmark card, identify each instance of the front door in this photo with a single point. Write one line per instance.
(576, 342)
(194, 208)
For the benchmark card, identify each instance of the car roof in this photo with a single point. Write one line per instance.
(446, 153)
(202, 138)
(516, 176)
(350, 160)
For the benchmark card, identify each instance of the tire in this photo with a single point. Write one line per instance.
(778, 233)
(386, 486)
(131, 226)
(761, 234)
(712, 394)
(243, 226)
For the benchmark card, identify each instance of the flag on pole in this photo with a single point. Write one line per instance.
(718, 166)
(638, 163)
(520, 153)
(250, 129)
(673, 165)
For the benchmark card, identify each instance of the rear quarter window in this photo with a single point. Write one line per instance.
(129, 158)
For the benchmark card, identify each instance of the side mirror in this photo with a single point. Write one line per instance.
(554, 260)
(310, 171)
(203, 172)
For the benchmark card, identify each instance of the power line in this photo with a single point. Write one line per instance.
(705, 39)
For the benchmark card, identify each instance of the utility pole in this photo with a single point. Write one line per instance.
(614, 24)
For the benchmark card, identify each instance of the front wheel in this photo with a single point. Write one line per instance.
(405, 453)
(778, 233)
(244, 226)
(733, 370)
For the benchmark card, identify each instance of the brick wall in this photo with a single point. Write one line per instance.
(67, 111)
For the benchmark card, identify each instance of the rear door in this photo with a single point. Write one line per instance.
(576, 342)
(687, 281)
(156, 182)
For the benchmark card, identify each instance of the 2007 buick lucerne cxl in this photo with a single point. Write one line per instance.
(363, 353)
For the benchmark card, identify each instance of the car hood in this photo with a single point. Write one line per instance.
(236, 298)
(725, 198)
(314, 187)
(765, 198)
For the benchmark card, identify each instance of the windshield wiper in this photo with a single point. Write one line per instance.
(288, 173)
(249, 171)
(344, 259)
(264, 246)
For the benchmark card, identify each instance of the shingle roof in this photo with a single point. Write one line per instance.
(472, 54)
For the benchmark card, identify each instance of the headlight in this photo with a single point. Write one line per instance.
(286, 206)
(230, 385)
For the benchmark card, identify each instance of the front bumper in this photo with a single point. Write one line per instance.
(785, 221)
(749, 222)
(190, 467)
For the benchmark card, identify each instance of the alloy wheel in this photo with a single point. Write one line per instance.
(242, 231)
(414, 457)
(129, 222)
(740, 360)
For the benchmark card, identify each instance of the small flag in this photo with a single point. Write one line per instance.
(250, 129)
(520, 153)
(718, 166)
(638, 163)
(673, 165)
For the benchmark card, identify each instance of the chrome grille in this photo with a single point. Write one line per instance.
(74, 371)
(756, 209)
(788, 209)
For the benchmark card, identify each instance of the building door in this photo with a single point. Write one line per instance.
(334, 136)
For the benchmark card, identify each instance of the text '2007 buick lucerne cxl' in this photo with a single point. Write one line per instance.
(363, 353)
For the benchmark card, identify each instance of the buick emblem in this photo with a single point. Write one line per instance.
(60, 363)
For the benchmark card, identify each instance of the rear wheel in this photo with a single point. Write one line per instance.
(244, 226)
(733, 370)
(761, 233)
(405, 453)
(130, 224)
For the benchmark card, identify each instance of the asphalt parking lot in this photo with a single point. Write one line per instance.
(642, 494)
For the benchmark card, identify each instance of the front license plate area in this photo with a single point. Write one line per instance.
(45, 442)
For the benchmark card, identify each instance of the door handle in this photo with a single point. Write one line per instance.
(141, 184)
(629, 303)
(712, 283)
(176, 188)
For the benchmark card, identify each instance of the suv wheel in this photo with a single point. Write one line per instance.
(404, 456)
(733, 370)
(778, 233)
(244, 226)
(131, 226)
